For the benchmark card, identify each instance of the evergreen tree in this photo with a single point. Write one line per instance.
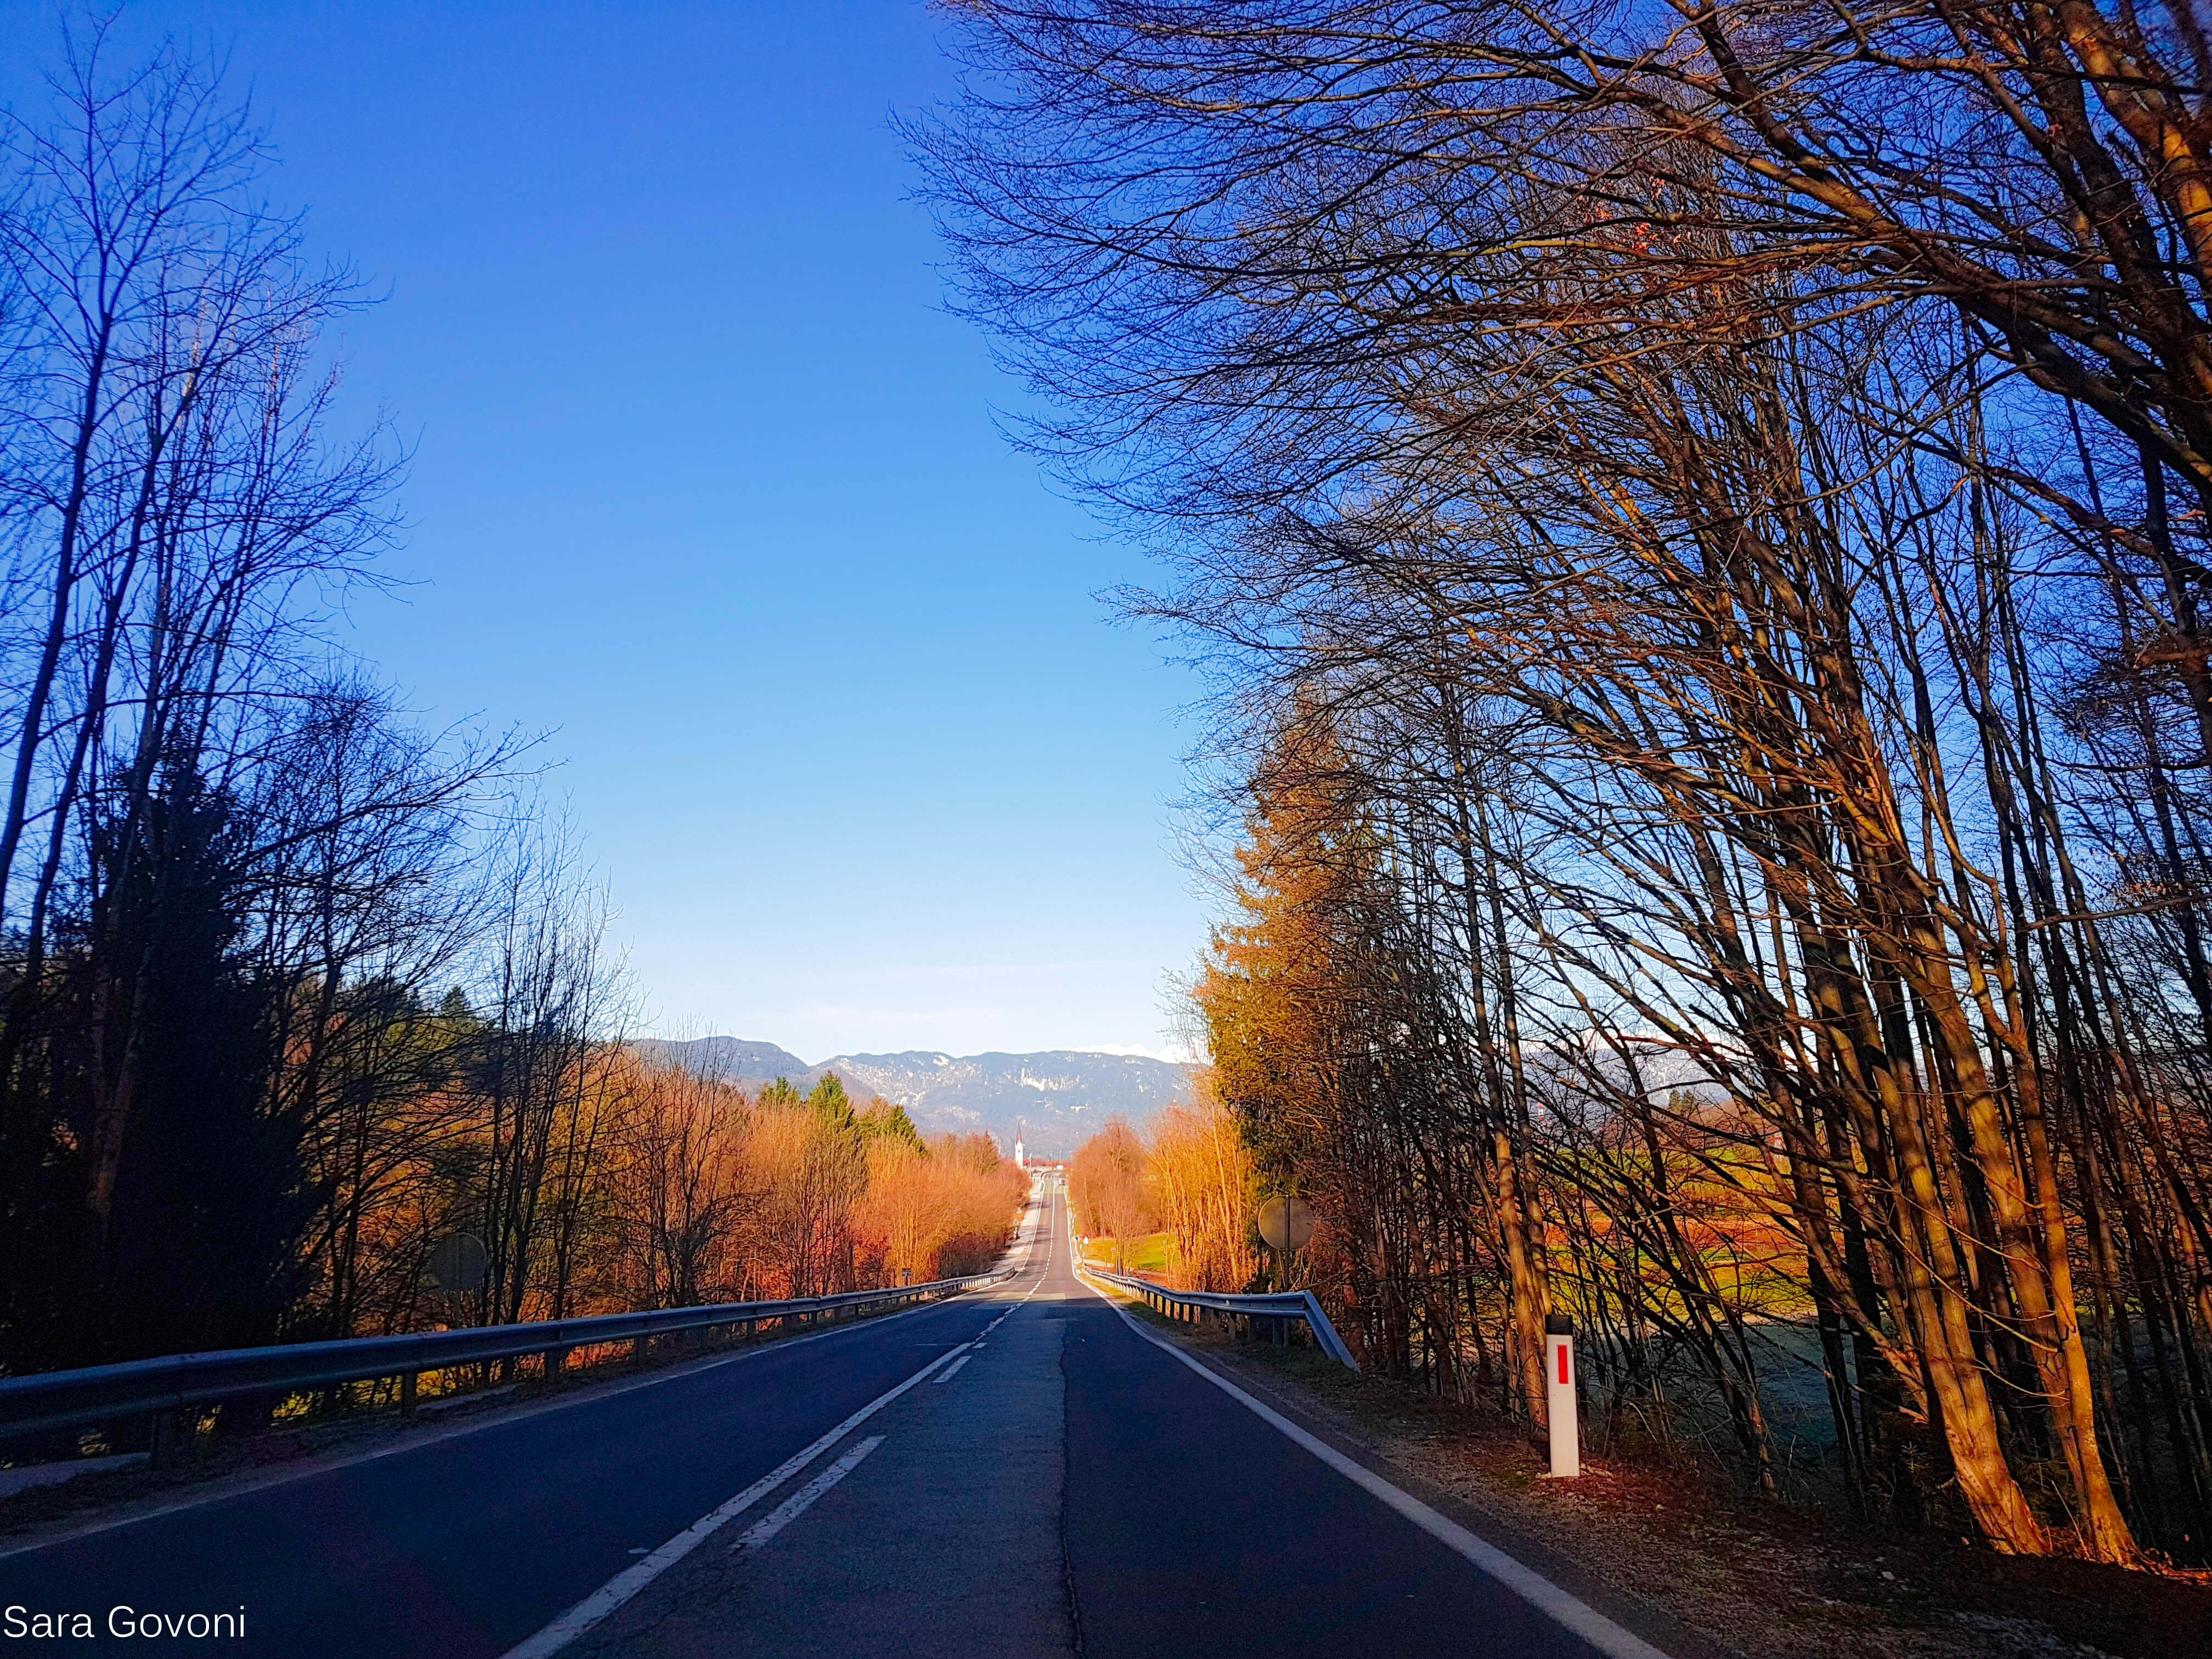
(887, 1120)
(831, 1103)
(197, 1245)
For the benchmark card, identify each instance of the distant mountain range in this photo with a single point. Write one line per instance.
(1057, 1099)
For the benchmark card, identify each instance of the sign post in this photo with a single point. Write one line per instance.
(1559, 1396)
(1287, 1221)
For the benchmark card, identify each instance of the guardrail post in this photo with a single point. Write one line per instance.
(159, 1434)
(407, 1385)
(1559, 1405)
(555, 1358)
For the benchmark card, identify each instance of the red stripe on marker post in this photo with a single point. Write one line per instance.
(1559, 1403)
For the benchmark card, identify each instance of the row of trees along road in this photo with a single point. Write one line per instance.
(1192, 1178)
(1699, 517)
(291, 988)
(230, 867)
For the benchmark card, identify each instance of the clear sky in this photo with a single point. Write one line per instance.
(707, 482)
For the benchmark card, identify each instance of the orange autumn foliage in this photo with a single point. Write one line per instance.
(935, 1213)
(1204, 1191)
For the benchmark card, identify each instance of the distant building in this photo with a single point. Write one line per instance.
(1020, 1162)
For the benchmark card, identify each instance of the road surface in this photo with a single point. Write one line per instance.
(1021, 1472)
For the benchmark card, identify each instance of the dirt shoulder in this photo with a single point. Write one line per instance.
(1738, 1573)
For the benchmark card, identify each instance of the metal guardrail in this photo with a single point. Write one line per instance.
(139, 1388)
(1196, 1304)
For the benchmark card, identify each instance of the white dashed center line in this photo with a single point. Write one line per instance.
(796, 1506)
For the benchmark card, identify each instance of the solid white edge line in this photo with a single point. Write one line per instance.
(628, 1582)
(1612, 1640)
(801, 1501)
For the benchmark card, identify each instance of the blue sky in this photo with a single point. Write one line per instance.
(707, 481)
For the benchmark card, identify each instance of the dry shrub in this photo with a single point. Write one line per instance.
(936, 1213)
(1205, 1192)
(677, 1190)
(681, 1188)
(808, 1171)
(1106, 1184)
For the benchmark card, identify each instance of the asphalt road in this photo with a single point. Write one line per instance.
(1020, 1473)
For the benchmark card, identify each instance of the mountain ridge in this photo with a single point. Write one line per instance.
(1056, 1098)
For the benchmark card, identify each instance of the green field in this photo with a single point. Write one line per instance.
(1149, 1254)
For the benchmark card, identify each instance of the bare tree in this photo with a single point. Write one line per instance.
(1106, 1184)
(1687, 491)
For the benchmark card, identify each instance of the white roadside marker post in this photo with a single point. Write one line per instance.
(1559, 1396)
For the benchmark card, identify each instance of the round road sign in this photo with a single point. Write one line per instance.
(1286, 1223)
(457, 1262)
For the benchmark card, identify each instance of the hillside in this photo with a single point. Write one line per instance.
(1056, 1098)
(730, 1058)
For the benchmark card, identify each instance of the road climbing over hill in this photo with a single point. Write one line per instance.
(1020, 1473)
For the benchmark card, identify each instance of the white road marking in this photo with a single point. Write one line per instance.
(625, 1585)
(222, 1492)
(628, 1582)
(1032, 1291)
(1612, 1640)
(945, 1375)
(796, 1506)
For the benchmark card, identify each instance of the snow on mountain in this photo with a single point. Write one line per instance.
(1058, 1099)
